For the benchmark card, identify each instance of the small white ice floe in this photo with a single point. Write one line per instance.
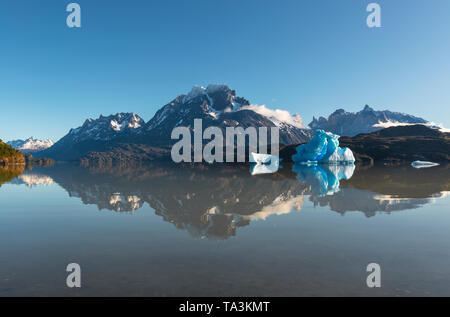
(423, 164)
(262, 158)
(264, 163)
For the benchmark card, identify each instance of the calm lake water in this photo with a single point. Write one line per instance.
(165, 230)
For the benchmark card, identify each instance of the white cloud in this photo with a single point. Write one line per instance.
(389, 124)
(277, 116)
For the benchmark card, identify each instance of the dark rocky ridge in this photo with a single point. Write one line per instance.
(398, 145)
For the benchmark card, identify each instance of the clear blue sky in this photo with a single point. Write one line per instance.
(308, 57)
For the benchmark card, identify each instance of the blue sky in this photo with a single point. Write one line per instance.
(308, 57)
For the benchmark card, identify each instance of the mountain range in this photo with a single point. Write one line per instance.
(216, 105)
(30, 145)
(367, 120)
(128, 136)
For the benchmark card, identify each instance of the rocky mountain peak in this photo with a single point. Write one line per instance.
(365, 121)
(217, 105)
(106, 127)
(367, 108)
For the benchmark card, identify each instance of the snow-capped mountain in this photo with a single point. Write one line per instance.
(95, 135)
(216, 105)
(365, 121)
(30, 145)
(106, 128)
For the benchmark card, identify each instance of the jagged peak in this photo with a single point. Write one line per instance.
(364, 121)
(118, 116)
(194, 93)
(339, 111)
(367, 108)
(211, 89)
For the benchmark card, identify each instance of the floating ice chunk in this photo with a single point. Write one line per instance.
(323, 148)
(262, 158)
(265, 163)
(423, 164)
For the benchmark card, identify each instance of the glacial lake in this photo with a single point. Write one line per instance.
(168, 230)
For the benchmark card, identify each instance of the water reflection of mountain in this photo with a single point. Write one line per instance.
(402, 181)
(213, 201)
(388, 189)
(205, 200)
(353, 199)
(31, 179)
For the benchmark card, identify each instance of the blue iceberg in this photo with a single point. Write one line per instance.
(323, 149)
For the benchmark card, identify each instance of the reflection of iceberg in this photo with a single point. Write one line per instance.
(256, 169)
(262, 158)
(423, 164)
(264, 163)
(324, 179)
(323, 148)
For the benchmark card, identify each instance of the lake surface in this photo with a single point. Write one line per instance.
(172, 230)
